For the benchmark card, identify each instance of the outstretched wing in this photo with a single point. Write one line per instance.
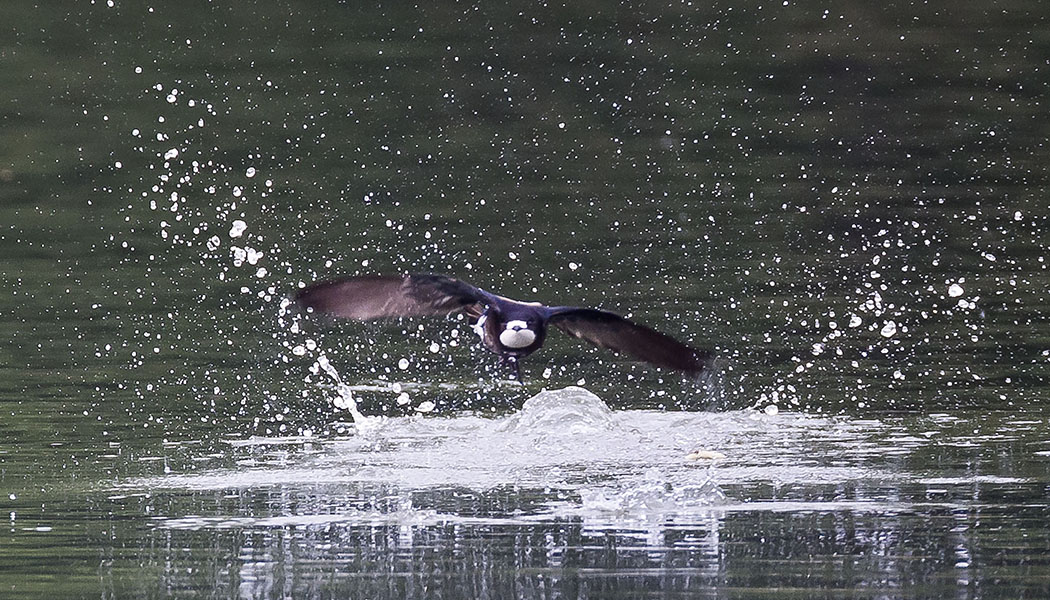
(376, 296)
(609, 330)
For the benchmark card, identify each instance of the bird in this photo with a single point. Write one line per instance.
(510, 328)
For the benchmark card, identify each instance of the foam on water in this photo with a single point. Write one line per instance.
(605, 466)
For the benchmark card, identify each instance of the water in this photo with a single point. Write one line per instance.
(846, 205)
(569, 498)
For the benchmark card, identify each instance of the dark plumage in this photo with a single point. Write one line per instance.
(510, 328)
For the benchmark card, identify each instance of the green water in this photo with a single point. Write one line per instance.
(847, 204)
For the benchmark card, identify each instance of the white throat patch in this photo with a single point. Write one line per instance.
(517, 335)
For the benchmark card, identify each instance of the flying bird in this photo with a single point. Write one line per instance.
(510, 328)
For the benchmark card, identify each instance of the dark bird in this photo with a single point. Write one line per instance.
(510, 328)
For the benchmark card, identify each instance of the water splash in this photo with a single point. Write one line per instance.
(561, 414)
(565, 453)
(653, 495)
(345, 398)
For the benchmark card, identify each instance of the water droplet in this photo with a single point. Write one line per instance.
(889, 329)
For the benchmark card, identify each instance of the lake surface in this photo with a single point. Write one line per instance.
(847, 205)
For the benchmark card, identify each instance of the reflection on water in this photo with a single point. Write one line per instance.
(566, 498)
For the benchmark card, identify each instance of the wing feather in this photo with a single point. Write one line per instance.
(610, 330)
(377, 297)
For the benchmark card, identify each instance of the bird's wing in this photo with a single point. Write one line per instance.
(609, 330)
(377, 297)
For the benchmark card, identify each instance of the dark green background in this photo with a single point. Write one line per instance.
(738, 174)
